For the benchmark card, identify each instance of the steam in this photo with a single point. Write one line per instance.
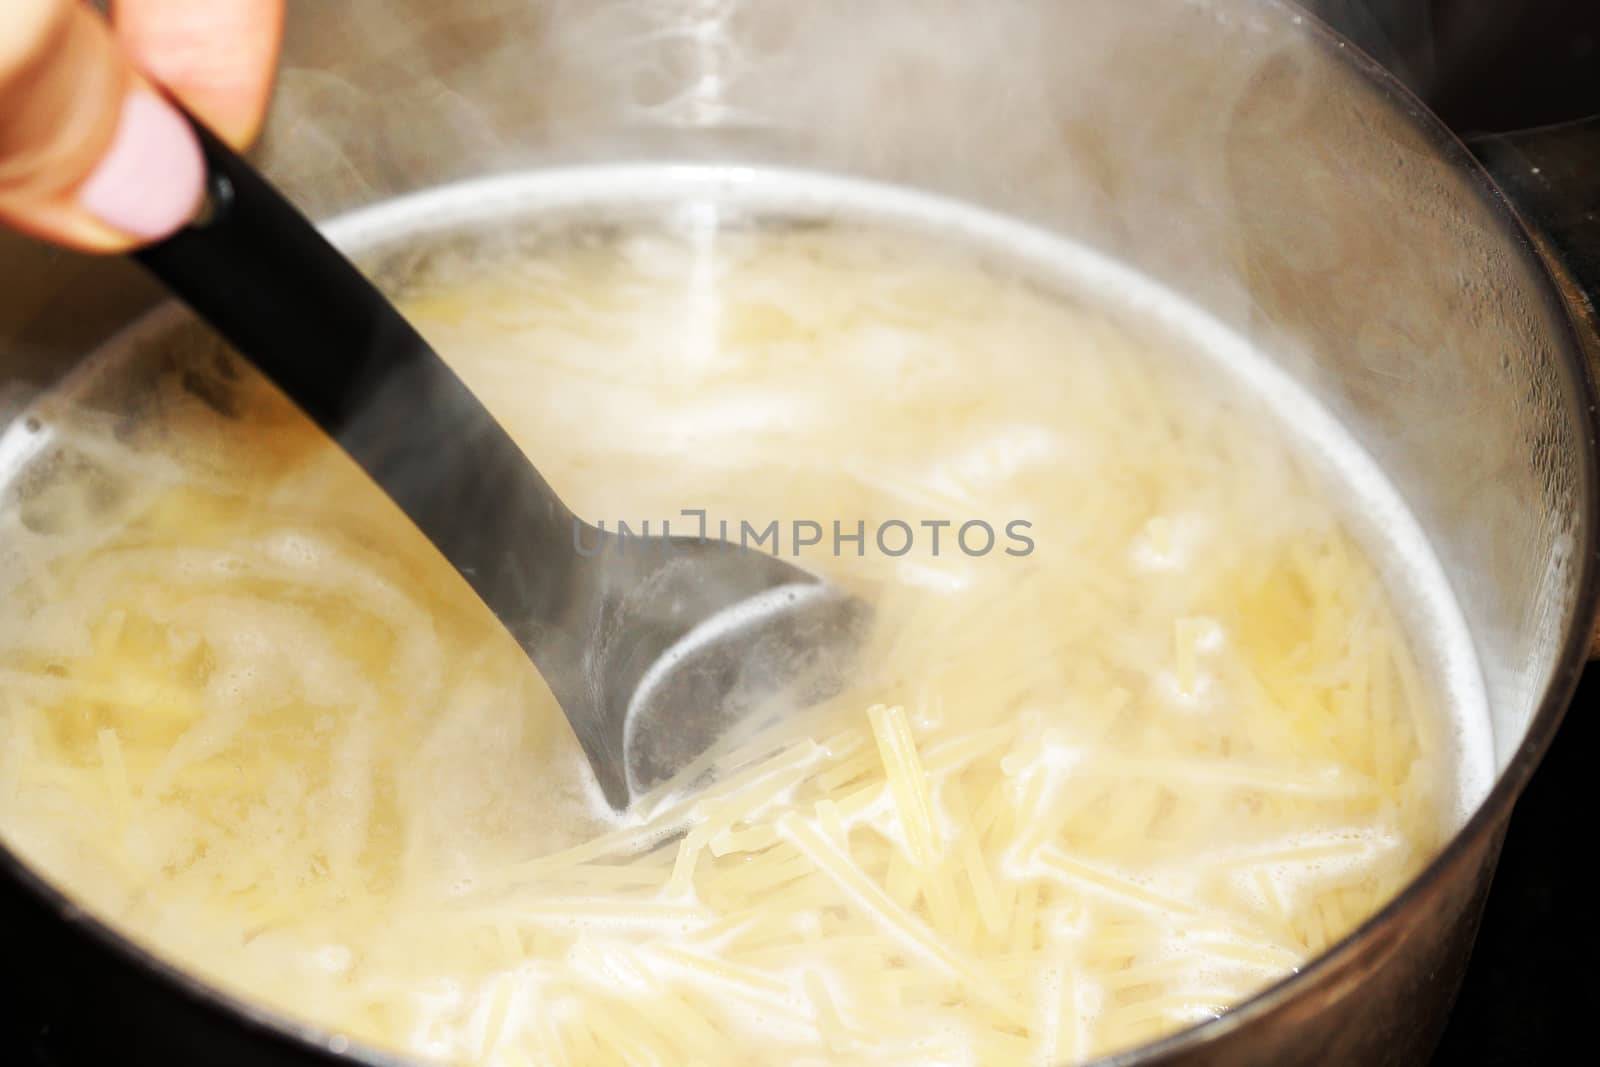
(1225, 148)
(1110, 128)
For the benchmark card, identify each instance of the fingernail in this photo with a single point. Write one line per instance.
(150, 180)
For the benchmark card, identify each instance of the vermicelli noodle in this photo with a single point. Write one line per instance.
(1073, 798)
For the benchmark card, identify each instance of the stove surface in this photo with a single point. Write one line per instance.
(1533, 977)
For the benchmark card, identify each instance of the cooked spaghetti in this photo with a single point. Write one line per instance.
(1073, 799)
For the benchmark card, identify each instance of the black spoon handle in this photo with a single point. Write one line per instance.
(259, 272)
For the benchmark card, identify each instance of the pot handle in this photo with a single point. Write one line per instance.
(1551, 175)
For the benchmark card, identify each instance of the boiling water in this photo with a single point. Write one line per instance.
(702, 200)
(1212, 708)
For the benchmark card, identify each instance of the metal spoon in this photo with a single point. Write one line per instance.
(654, 647)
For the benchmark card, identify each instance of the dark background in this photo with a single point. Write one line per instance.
(1493, 68)
(1484, 65)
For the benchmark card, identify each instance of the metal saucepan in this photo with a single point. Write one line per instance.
(1233, 150)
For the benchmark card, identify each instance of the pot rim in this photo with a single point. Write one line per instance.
(1495, 809)
(1489, 816)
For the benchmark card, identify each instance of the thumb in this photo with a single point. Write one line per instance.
(90, 155)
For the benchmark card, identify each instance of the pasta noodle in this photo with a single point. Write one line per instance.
(1071, 800)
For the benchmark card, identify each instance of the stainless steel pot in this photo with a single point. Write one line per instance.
(1232, 149)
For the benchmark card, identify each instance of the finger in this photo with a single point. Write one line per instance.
(90, 155)
(217, 56)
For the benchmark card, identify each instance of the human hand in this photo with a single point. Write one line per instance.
(91, 154)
